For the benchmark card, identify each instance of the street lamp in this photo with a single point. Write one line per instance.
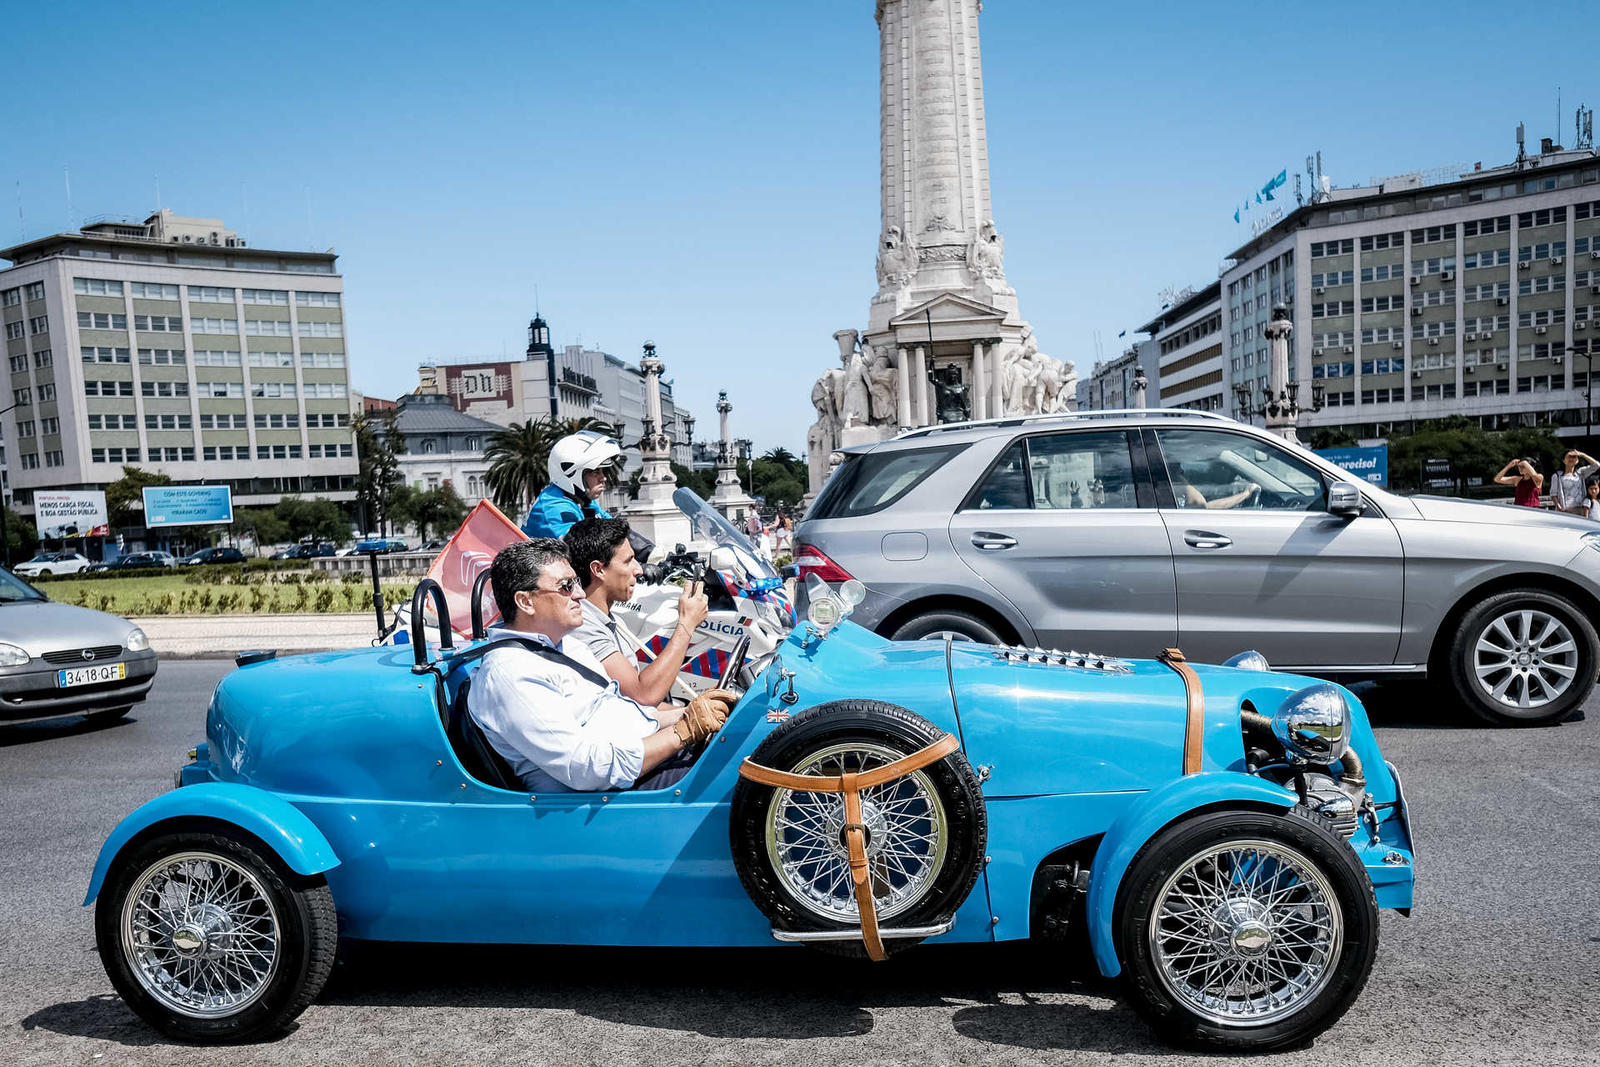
(1587, 352)
(1279, 405)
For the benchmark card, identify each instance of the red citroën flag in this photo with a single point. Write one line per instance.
(470, 551)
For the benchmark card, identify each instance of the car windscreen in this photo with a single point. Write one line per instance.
(871, 481)
(14, 589)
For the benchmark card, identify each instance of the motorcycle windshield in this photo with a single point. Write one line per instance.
(709, 525)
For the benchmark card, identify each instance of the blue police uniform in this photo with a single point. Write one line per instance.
(554, 512)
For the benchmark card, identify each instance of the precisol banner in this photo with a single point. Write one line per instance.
(58, 515)
(1369, 464)
(187, 505)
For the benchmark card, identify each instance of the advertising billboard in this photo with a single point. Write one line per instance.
(62, 514)
(1368, 464)
(187, 505)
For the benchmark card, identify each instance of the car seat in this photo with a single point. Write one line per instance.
(471, 745)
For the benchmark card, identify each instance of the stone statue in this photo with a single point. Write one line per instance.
(986, 254)
(897, 260)
(881, 382)
(951, 403)
(853, 394)
(823, 437)
(1032, 383)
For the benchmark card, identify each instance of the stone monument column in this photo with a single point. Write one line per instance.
(729, 496)
(654, 514)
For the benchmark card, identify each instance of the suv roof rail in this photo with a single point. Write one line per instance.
(1065, 416)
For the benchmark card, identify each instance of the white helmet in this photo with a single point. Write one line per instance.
(585, 450)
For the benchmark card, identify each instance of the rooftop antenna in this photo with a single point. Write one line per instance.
(1584, 123)
(1522, 153)
(66, 176)
(158, 194)
(536, 300)
(22, 228)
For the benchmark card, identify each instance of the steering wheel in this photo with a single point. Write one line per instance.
(735, 661)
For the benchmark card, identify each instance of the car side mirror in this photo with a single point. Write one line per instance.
(1344, 500)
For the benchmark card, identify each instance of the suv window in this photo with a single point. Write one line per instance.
(871, 482)
(1226, 470)
(1082, 470)
(1061, 472)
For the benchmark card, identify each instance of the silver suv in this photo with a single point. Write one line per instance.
(1127, 532)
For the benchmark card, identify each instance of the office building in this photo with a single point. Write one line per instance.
(1111, 385)
(1187, 339)
(1416, 300)
(172, 346)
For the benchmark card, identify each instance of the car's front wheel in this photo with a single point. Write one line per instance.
(954, 624)
(1245, 931)
(1523, 658)
(208, 937)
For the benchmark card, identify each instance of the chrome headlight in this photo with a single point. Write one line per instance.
(12, 656)
(1313, 724)
(1250, 660)
(138, 641)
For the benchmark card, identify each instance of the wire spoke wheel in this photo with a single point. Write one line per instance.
(1525, 658)
(200, 934)
(907, 836)
(1246, 934)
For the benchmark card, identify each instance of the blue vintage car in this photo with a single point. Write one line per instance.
(1224, 835)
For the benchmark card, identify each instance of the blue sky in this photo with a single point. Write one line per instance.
(705, 175)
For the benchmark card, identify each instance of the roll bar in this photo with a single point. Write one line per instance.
(419, 633)
(478, 631)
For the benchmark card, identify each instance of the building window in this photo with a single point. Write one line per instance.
(95, 320)
(11, 298)
(53, 459)
(25, 429)
(153, 290)
(43, 358)
(167, 422)
(322, 360)
(41, 324)
(165, 388)
(277, 422)
(272, 359)
(216, 326)
(317, 300)
(161, 357)
(19, 364)
(279, 297)
(94, 388)
(205, 294)
(321, 329)
(216, 390)
(96, 287)
(34, 290)
(268, 328)
(272, 389)
(15, 330)
(223, 422)
(30, 462)
(211, 357)
(158, 323)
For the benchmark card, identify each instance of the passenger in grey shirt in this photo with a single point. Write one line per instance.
(1566, 485)
(605, 563)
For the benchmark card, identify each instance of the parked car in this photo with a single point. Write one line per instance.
(59, 659)
(306, 551)
(136, 559)
(1230, 863)
(44, 564)
(435, 545)
(1135, 531)
(221, 554)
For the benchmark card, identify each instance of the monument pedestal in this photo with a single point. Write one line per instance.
(654, 515)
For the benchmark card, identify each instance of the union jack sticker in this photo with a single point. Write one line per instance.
(778, 715)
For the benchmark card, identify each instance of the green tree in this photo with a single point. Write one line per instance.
(123, 494)
(703, 482)
(263, 525)
(317, 519)
(438, 509)
(1330, 437)
(22, 537)
(378, 448)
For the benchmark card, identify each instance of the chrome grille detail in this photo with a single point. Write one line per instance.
(79, 656)
(1091, 661)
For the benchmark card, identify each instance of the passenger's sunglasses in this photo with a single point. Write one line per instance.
(565, 587)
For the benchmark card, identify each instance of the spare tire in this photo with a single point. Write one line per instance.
(927, 831)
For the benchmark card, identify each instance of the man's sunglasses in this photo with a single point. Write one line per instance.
(565, 587)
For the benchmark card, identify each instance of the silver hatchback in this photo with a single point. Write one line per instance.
(1128, 532)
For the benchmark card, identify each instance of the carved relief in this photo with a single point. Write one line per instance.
(897, 260)
(943, 254)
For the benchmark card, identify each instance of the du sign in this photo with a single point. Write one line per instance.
(187, 505)
(1368, 464)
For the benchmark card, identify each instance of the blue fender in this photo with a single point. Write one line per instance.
(1145, 818)
(283, 827)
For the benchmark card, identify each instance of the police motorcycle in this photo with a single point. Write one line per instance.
(750, 611)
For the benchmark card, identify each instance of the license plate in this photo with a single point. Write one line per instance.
(101, 672)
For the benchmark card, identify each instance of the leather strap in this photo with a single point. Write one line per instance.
(1194, 728)
(855, 831)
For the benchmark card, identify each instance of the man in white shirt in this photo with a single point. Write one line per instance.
(547, 707)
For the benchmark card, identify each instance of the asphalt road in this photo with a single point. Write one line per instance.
(1499, 964)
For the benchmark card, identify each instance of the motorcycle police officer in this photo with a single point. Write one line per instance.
(577, 477)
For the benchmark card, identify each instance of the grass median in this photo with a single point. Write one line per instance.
(184, 594)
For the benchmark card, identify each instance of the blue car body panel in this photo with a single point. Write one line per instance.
(352, 745)
(273, 819)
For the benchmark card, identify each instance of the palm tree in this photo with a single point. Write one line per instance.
(518, 456)
(780, 455)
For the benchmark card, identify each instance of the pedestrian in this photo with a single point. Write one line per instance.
(782, 530)
(1527, 480)
(1591, 502)
(1567, 485)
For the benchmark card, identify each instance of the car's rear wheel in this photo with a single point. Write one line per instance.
(208, 937)
(957, 625)
(1523, 658)
(1245, 931)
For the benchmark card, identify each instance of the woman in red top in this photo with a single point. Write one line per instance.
(1528, 481)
